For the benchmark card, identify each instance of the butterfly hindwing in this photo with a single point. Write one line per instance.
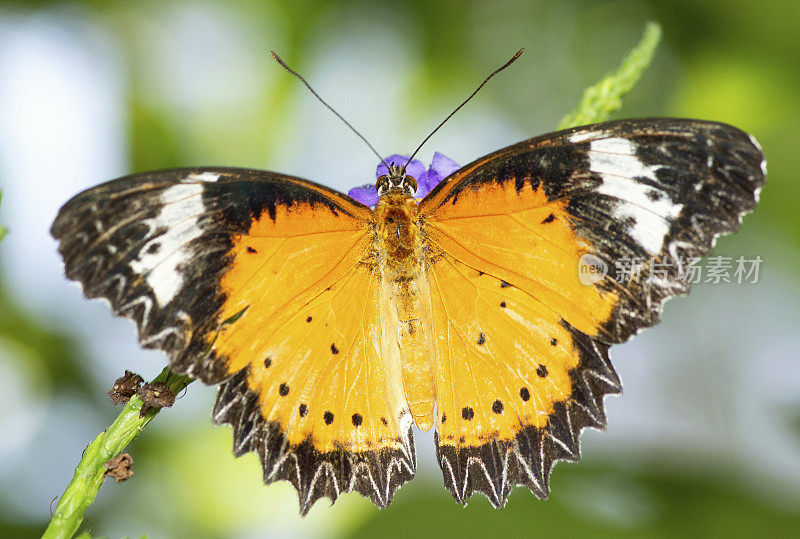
(515, 384)
(512, 229)
(263, 282)
(334, 414)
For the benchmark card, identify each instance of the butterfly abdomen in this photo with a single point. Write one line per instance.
(399, 251)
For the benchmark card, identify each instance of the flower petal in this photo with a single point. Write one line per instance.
(367, 194)
(443, 165)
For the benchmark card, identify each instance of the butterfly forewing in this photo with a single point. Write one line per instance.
(522, 339)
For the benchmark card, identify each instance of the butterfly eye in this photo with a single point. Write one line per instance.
(410, 182)
(382, 183)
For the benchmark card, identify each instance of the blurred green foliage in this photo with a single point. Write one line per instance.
(53, 357)
(49, 354)
(591, 500)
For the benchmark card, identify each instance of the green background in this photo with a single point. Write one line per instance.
(191, 84)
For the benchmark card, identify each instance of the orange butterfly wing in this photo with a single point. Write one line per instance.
(265, 283)
(521, 343)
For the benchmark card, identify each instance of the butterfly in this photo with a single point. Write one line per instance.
(333, 328)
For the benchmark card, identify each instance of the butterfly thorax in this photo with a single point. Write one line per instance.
(399, 252)
(398, 232)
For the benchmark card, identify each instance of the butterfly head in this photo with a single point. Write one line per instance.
(396, 180)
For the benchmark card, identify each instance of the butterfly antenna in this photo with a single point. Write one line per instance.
(493, 73)
(304, 81)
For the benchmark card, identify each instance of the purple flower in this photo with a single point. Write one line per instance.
(441, 167)
(367, 194)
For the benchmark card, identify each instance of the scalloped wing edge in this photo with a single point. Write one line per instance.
(375, 475)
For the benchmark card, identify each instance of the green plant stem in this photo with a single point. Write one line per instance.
(605, 98)
(89, 473)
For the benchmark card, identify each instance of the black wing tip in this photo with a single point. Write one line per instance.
(375, 475)
(731, 167)
(742, 146)
(527, 460)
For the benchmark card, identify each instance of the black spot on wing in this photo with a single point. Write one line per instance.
(497, 407)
